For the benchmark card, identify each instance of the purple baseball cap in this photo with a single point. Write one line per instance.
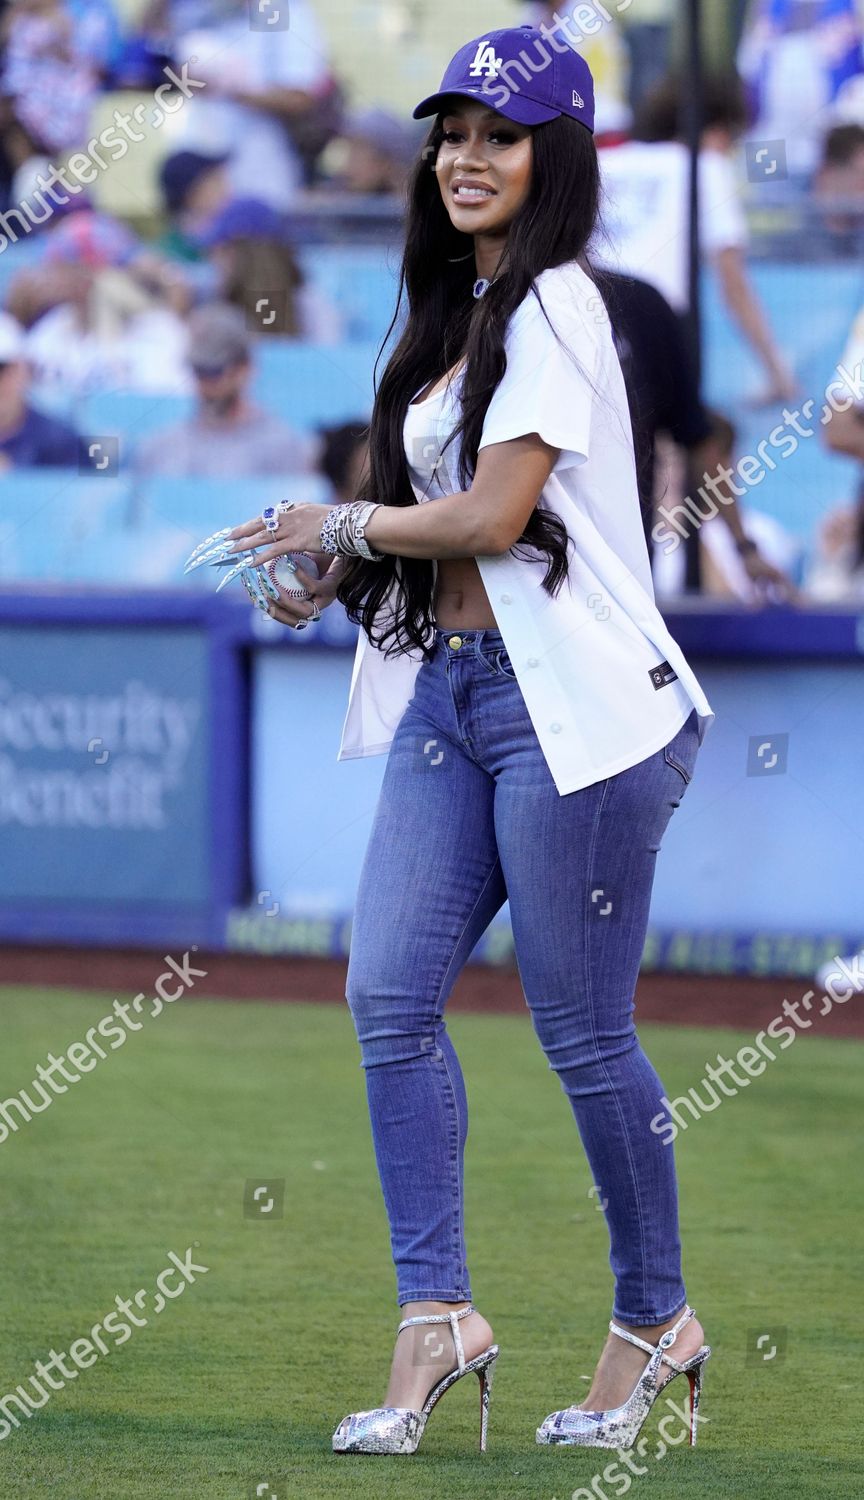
(522, 74)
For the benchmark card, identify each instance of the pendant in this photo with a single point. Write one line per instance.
(481, 286)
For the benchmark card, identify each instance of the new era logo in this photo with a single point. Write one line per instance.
(578, 101)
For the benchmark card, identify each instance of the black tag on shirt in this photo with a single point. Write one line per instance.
(662, 676)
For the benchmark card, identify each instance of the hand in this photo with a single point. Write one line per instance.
(783, 388)
(839, 530)
(240, 542)
(322, 590)
(767, 578)
(299, 530)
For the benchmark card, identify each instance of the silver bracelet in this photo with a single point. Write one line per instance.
(343, 528)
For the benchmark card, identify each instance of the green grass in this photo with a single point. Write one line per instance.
(242, 1380)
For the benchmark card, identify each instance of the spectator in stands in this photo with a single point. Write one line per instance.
(343, 456)
(798, 60)
(194, 188)
(663, 396)
(28, 438)
(837, 567)
(261, 81)
(646, 195)
(48, 80)
(745, 553)
(260, 273)
(227, 435)
(839, 182)
(377, 152)
(102, 312)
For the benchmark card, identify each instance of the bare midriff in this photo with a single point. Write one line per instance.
(460, 601)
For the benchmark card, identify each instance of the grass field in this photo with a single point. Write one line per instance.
(239, 1382)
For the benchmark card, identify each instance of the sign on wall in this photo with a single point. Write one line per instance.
(103, 765)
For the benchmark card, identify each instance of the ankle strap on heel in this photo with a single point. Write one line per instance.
(452, 1318)
(656, 1351)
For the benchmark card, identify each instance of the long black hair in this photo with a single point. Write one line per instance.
(444, 322)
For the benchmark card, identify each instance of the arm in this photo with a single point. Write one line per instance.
(483, 521)
(845, 432)
(276, 100)
(743, 304)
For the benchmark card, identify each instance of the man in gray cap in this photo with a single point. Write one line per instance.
(227, 436)
(379, 149)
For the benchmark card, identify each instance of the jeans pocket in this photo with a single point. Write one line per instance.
(503, 664)
(681, 751)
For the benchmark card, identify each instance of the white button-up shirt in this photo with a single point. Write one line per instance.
(604, 682)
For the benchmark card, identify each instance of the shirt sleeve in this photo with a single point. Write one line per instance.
(297, 55)
(722, 221)
(548, 385)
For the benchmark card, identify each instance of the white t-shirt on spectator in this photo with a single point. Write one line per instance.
(645, 210)
(148, 355)
(604, 682)
(263, 161)
(853, 363)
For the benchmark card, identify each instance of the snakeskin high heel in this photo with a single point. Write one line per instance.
(398, 1429)
(620, 1427)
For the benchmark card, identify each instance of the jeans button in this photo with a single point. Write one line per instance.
(455, 641)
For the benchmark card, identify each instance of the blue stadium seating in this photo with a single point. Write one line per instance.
(57, 526)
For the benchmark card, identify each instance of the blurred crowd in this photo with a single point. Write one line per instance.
(263, 134)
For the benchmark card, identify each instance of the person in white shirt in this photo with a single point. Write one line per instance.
(836, 569)
(541, 722)
(645, 213)
(256, 67)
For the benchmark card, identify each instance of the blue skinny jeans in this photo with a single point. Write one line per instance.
(468, 816)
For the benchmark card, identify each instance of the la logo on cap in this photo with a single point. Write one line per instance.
(485, 61)
(578, 101)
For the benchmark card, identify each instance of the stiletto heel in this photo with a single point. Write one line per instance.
(398, 1429)
(620, 1427)
(485, 1376)
(695, 1379)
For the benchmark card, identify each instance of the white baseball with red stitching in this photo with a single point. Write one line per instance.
(284, 577)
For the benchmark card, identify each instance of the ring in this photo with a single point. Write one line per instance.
(270, 518)
(316, 616)
(285, 505)
(301, 624)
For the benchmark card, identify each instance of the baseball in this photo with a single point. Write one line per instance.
(281, 573)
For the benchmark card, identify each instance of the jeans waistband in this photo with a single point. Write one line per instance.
(458, 642)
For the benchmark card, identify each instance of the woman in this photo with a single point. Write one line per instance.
(553, 726)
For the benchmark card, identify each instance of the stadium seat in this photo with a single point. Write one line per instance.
(312, 385)
(57, 526)
(362, 281)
